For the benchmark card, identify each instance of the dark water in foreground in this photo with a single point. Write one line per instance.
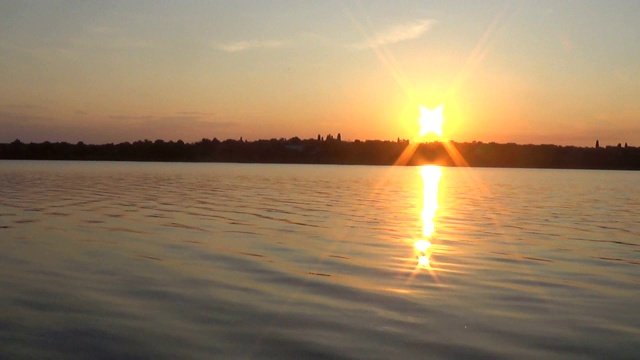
(131, 260)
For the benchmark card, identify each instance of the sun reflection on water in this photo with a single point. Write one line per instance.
(430, 181)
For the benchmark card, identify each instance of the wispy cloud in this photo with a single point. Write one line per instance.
(196, 113)
(110, 42)
(192, 118)
(396, 34)
(101, 129)
(248, 45)
(24, 107)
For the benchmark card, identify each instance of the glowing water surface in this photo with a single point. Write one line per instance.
(430, 179)
(142, 260)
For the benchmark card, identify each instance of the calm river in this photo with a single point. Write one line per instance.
(178, 261)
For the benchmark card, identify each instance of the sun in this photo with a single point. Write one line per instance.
(431, 121)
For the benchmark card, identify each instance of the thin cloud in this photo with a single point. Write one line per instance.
(186, 117)
(24, 107)
(396, 34)
(7, 117)
(131, 117)
(249, 45)
(111, 42)
(196, 113)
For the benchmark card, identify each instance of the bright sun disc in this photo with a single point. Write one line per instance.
(431, 121)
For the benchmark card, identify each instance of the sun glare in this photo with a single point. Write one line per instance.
(431, 121)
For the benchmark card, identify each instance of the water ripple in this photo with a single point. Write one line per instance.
(126, 260)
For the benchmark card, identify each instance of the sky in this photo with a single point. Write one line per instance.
(529, 72)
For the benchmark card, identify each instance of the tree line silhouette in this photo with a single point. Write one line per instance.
(332, 150)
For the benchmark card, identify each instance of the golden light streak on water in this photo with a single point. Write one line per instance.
(430, 180)
(430, 185)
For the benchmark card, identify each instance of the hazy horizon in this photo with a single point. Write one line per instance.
(323, 136)
(524, 72)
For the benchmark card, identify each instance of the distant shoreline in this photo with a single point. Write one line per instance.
(335, 151)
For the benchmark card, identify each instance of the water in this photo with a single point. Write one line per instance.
(156, 260)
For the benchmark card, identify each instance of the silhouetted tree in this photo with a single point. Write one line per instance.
(339, 138)
(295, 140)
(369, 152)
(597, 144)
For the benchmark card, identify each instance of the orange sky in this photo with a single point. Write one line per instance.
(525, 72)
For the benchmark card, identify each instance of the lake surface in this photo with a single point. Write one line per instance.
(167, 260)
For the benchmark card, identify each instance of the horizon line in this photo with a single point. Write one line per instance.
(323, 139)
